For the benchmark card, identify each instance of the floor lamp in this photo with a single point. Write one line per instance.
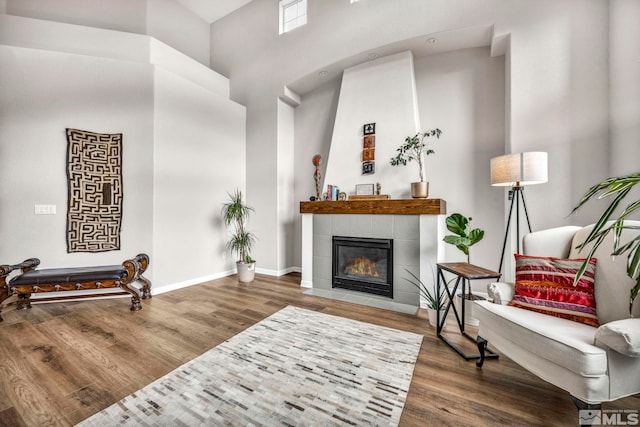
(518, 170)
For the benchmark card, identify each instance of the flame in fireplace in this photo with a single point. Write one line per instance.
(362, 266)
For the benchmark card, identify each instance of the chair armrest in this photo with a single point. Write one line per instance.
(622, 336)
(500, 292)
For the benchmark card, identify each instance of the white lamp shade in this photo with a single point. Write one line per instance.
(519, 169)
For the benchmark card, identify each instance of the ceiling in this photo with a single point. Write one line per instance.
(212, 10)
(420, 46)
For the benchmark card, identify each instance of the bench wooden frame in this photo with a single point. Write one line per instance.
(130, 272)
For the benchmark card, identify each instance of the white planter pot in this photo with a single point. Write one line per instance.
(433, 317)
(246, 271)
(469, 318)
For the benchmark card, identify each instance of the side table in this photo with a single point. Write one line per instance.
(465, 273)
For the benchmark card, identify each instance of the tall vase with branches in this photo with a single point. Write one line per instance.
(415, 148)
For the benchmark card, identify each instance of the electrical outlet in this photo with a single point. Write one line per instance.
(44, 209)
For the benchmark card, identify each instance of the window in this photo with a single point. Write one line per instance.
(293, 14)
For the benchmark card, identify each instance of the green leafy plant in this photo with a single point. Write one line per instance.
(235, 212)
(618, 188)
(435, 302)
(463, 237)
(415, 148)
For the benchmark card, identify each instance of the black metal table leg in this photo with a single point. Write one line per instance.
(460, 280)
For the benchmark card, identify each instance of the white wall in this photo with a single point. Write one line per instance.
(314, 120)
(559, 100)
(119, 15)
(381, 92)
(624, 100)
(166, 20)
(262, 179)
(285, 187)
(183, 147)
(558, 103)
(556, 83)
(175, 25)
(259, 63)
(256, 58)
(462, 93)
(44, 93)
(198, 157)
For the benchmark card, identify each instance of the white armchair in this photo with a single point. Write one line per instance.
(593, 364)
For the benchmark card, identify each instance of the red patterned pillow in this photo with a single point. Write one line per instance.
(546, 285)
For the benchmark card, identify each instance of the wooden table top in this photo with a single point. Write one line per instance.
(468, 271)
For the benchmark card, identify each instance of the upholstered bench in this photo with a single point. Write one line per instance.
(32, 281)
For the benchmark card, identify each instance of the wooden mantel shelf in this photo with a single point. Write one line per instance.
(379, 207)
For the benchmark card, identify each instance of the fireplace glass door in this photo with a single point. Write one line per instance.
(363, 264)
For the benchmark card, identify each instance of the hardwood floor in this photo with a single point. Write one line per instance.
(62, 362)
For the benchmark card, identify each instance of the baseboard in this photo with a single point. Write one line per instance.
(278, 273)
(199, 280)
(190, 282)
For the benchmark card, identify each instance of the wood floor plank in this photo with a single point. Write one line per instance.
(11, 418)
(32, 399)
(103, 352)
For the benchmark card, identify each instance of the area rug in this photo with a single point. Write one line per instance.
(294, 368)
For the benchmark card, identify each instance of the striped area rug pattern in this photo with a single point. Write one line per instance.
(296, 367)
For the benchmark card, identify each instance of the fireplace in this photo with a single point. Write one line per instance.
(363, 264)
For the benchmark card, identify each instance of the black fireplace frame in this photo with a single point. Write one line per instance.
(365, 286)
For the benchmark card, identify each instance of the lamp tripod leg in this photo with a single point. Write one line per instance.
(506, 233)
(524, 205)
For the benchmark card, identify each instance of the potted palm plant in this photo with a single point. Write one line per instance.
(463, 238)
(236, 213)
(435, 302)
(617, 187)
(415, 148)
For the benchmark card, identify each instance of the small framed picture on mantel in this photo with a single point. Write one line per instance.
(365, 189)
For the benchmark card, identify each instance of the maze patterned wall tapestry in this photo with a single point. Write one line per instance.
(94, 170)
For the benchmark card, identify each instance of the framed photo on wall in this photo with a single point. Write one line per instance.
(369, 141)
(368, 154)
(368, 168)
(369, 129)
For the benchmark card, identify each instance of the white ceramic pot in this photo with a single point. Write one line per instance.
(433, 317)
(246, 271)
(469, 318)
(419, 190)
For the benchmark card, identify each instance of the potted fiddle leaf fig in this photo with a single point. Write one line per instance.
(235, 214)
(415, 148)
(463, 238)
